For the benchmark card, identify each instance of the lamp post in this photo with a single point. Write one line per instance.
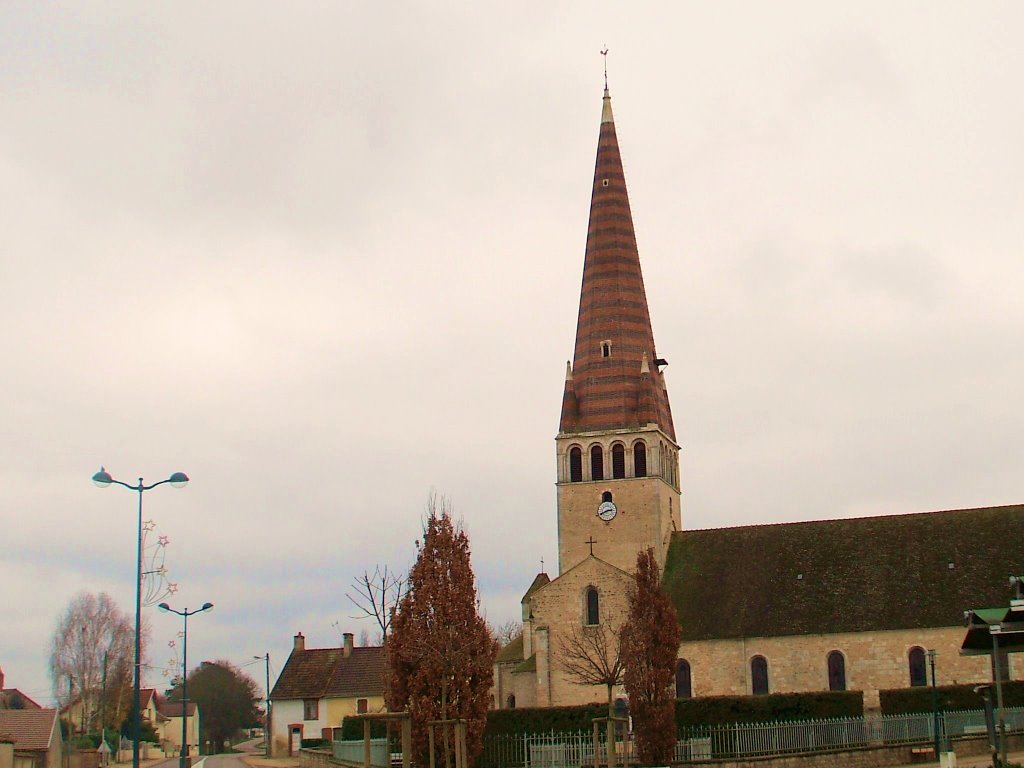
(103, 480)
(266, 716)
(183, 758)
(935, 707)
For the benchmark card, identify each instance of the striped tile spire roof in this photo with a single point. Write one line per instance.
(609, 387)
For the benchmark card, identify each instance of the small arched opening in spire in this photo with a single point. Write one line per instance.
(596, 463)
(575, 464)
(639, 459)
(618, 461)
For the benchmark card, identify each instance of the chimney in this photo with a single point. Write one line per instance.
(348, 644)
(300, 643)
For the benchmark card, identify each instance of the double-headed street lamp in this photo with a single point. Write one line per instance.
(183, 759)
(103, 480)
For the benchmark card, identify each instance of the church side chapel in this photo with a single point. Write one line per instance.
(836, 605)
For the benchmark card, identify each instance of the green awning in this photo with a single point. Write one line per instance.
(1009, 629)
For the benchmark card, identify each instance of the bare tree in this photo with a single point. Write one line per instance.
(591, 656)
(91, 658)
(377, 595)
(506, 632)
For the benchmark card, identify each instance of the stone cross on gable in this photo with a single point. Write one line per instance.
(591, 542)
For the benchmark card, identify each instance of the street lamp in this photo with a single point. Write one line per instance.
(103, 480)
(183, 758)
(935, 707)
(266, 716)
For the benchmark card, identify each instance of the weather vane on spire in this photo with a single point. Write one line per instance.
(604, 52)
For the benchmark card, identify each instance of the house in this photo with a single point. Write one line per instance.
(170, 713)
(319, 687)
(35, 734)
(12, 698)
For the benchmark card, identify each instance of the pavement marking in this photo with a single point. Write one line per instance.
(199, 764)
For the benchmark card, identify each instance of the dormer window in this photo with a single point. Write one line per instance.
(606, 349)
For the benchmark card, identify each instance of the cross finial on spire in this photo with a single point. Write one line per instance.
(604, 52)
(591, 542)
(542, 565)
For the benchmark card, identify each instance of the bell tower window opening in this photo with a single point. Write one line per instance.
(575, 464)
(606, 349)
(593, 611)
(618, 461)
(640, 459)
(606, 496)
(596, 463)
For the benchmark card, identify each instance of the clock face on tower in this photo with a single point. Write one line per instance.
(607, 510)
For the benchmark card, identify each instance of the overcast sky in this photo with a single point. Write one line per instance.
(326, 257)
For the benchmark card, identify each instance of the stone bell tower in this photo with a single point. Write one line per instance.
(618, 460)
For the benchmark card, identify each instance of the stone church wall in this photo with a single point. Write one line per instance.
(874, 661)
(557, 608)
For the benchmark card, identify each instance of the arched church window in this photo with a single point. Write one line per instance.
(510, 702)
(593, 607)
(836, 671)
(606, 496)
(640, 459)
(618, 461)
(684, 686)
(596, 463)
(759, 675)
(575, 464)
(918, 673)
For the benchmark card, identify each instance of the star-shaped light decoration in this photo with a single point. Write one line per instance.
(172, 588)
(164, 541)
(181, 634)
(170, 643)
(149, 525)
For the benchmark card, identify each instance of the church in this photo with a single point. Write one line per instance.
(847, 604)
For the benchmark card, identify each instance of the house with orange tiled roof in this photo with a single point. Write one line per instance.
(36, 737)
(319, 687)
(12, 698)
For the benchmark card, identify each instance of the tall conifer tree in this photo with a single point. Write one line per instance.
(439, 651)
(650, 642)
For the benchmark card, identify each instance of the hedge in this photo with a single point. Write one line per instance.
(718, 710)
(352, 728)
(543, 719)
(897, 701)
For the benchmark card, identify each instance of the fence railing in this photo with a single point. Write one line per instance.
(739, 740)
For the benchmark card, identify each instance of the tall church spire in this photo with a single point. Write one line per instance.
(613, 331)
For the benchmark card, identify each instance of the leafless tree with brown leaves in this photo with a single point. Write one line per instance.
(377, 595)
(591, 656)
(506, 632)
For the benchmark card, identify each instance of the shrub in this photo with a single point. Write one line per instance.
(897, 701)
(543, 719)
(716, 710)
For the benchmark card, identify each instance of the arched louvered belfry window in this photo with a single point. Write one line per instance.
(640, 459)
(759, 675)
(836, 671)
(684, 685)
(618, 461)
(593, 607)
(596, 463)
(575, 464)
(918, 671)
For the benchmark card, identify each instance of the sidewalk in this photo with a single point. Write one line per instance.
(971, 761)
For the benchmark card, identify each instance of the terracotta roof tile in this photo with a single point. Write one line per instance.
(318, 672)
(32, 729)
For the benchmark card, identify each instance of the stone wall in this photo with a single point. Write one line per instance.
(557, 608)
(873, 660)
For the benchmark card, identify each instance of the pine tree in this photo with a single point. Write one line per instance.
(650, 642)
(439, 650)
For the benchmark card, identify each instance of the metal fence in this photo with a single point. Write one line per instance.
(740, 740)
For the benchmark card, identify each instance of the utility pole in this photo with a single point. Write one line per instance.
(266, 716)
(935, 706)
